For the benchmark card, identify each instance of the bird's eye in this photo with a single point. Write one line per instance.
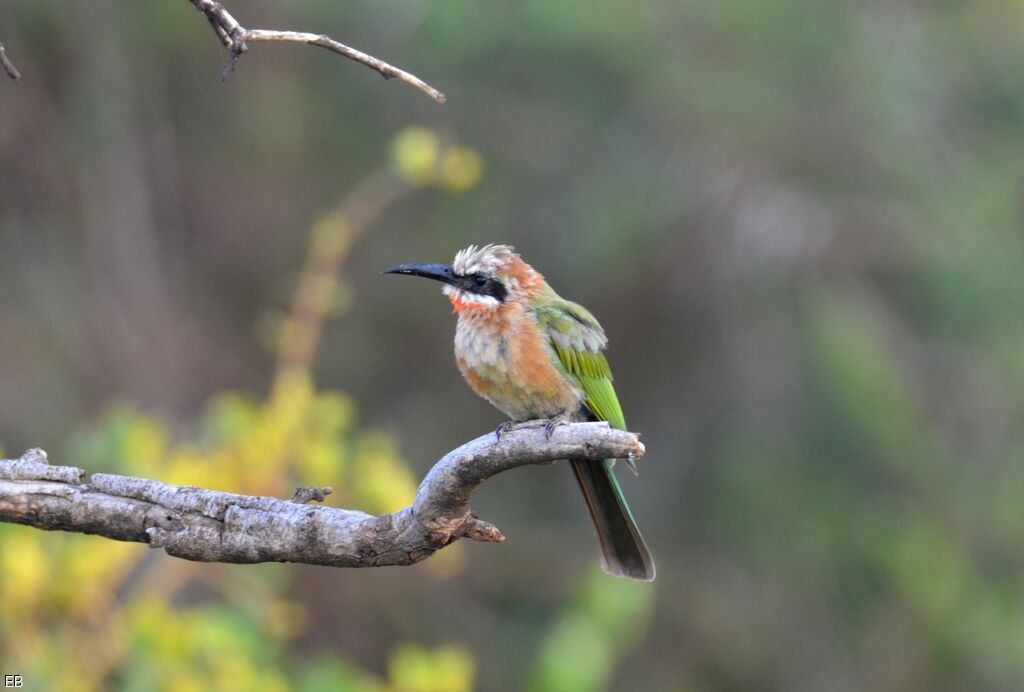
(480, 280)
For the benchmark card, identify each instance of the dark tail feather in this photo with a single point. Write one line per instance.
(623, 551)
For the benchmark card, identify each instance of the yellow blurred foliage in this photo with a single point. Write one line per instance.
(379, 477)
(416, 669)
(461, 169)
(415, 153)
(420, 159)
(26, 576)
(77, 610)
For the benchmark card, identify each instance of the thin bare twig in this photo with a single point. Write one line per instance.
(235, 38)
(212, 526)
(9, 67)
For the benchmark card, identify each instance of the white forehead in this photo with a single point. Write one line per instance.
(483, 260)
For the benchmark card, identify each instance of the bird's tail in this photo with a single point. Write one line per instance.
(623, 551)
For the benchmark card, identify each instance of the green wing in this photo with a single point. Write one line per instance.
(578, 339)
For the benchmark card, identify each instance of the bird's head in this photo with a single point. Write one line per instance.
(480, 278)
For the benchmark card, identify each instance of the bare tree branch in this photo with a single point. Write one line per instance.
(9, 67)
(235, 38)
(212, 526)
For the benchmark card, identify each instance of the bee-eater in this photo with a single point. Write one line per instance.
(533, 354)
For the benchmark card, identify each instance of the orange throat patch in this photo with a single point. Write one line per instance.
(458, 304)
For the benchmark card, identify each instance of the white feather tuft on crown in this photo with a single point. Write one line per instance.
(482, 260)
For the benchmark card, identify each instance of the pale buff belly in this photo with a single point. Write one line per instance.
(515, 374)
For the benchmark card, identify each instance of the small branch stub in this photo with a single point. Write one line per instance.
(304, 496)
(212, 526)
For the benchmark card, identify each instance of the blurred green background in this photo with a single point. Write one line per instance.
(799, 222)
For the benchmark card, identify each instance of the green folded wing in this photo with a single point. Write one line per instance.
(578, 339)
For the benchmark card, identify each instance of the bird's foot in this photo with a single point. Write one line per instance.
(631, 465)
(504, 428)
(556, 422)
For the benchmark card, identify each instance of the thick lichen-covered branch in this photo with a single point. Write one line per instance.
(213, 526)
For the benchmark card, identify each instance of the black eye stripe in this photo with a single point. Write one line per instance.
(483, 286)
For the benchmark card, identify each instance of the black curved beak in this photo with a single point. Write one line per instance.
(437, 272)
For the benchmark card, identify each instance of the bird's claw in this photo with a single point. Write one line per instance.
(553, 424)
(504, 428)
(550, 425)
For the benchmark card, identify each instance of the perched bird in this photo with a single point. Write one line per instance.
(533, 354)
